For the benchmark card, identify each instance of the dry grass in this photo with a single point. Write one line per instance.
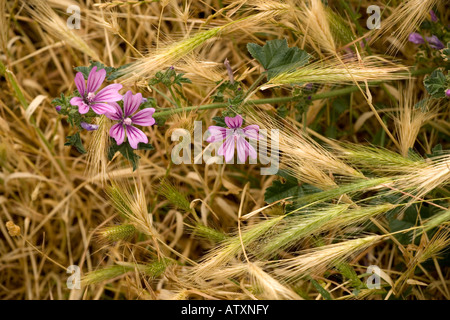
(204, 231)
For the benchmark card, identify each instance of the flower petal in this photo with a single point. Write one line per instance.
(80, 83)
(251, 131)
(95, 79)
(117, 115)
(235, 122)
(217, 133)
(435, 43)
(76, 101)
(109, 93)
(118, 133)
(103, 108)
(227, 149)
(416, 38)
(433, 15)
(131, 103)
(89, 126)
(82, 107)
(244, 149)
(135, 136)
(144, 117)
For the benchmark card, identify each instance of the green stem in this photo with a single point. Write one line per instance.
(324, 95)
(174, 97)
(10, 77)
(354, 16)
(319, 96)
(164, 95)
(254, 84)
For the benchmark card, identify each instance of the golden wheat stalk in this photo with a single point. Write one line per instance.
(54, 25)
(334, 72)
(97, 158)
(167, 56)
(409, 119)
(303, 157)
(315, 25)
(423, 180)
(402, 21)
(270, 288)
(317, 260)
(118, 3)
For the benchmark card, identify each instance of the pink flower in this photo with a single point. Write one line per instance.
(435, 43)
(232, 135)
(433, 15)
(98, 102)
(126, 120)
(416, 38)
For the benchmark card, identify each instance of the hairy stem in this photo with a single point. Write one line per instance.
(324, 95)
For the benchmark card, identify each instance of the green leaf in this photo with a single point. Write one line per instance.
(76, 142)
(111, 72)
(149, 103)
(276, 57)
(414, 156)
(422, 104)
(232, 92)
(169, 78)
(84, 70)
(220, 121)
(435, 84)
(282, 111)
(126, 150)
(408, 220)
(436, 151)
(323, 292)
(446, 51)
(116, 72)
(279, 190)
(145, 146)
(398, 225)
(347, 271)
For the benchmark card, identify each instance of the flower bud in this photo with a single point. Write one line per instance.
(89, 127)
(416, 38)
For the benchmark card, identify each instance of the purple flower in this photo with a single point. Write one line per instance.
(88, 126)
(434, 18)
(416, 38)
(58, 109)
(98, 102)
(232, 135)
(435, 43)
(126, 120)
(447, 93)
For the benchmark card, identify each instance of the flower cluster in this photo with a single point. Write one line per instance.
(127, 111)
(105, 102)
(432, 41)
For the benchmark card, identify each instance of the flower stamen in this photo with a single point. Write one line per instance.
(127, 121)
